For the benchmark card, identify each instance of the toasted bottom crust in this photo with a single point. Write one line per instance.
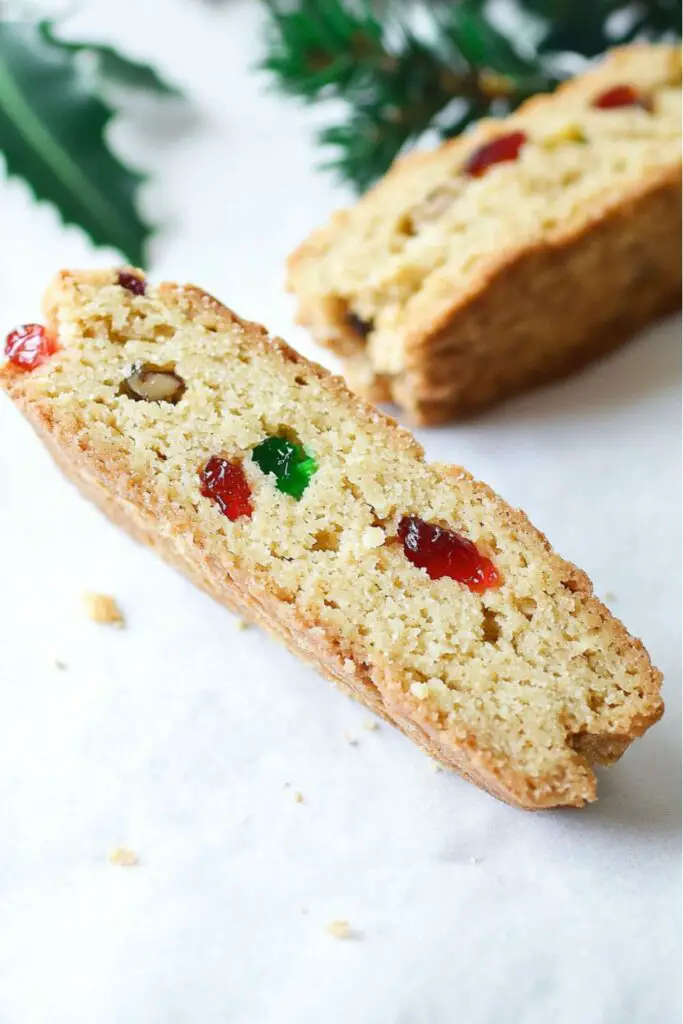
(435, 411)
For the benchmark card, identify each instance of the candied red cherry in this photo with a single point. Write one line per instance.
(620, 96)
(501, 150)
(131, 282)
(226, 483)
(445, 553)
(30, 346)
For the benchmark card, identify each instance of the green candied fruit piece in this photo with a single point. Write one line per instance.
(288, 462)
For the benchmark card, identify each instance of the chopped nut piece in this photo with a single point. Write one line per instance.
(145, 382)
(299, 797)
(123, 858)
(358, 325)
(103, 609)
(371, 725)
(243, 624)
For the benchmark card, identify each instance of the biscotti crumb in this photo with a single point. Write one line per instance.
(122, 857)
(371, 725)
(299, 797)
(436, 767)
(103, 609)
(243, 624)
(340, 929)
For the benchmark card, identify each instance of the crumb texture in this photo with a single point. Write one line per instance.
(445, 292)
(519, 687)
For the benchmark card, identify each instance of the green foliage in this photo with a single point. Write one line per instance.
(400, 74)
(52, 131)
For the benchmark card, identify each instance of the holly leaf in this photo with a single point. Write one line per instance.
(52, 134)
(113, 67)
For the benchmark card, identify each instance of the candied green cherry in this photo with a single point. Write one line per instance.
(289, 463)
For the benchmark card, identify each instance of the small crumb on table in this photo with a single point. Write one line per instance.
(59, 664)
(243, 624)
(371, 725)
(351, 740)
(299, 797)
(341, 929)
(103, 609)
(122, 857)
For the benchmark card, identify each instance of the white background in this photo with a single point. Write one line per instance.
(185, 739)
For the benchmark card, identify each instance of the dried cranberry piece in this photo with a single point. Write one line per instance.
(30, 346)
(501, 150)
(445, 553)
(132, 282)
(620, 96)
(359, 326)
(226, 483)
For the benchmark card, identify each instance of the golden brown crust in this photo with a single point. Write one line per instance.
(617, 267)
(105, 477)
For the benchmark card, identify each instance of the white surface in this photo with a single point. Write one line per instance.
(185, 739)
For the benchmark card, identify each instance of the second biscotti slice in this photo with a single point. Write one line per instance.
(263, 479)
(513, 254)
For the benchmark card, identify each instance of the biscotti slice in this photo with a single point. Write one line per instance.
(288, 499)
(513, 254)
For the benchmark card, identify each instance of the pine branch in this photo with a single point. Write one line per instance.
(399, 78)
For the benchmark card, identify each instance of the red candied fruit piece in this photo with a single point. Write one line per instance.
(30, 346)
(501, 150)
(226, 484)
(619, 96)
(132, 282)
(444, 553)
